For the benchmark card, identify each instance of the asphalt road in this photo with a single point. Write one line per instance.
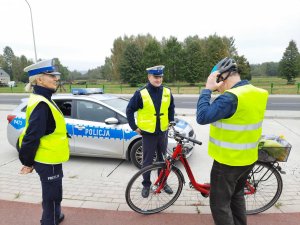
(276, 102)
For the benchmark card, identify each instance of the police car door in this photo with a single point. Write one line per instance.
(92, 135)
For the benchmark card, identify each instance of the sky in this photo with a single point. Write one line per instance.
(81, 32)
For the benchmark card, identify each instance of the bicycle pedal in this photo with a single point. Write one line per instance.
(191, 185)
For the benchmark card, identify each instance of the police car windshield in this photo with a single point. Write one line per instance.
(117, 103)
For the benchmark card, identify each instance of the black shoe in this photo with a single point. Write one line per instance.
(168, 189)
(145, 192)
(61, 217)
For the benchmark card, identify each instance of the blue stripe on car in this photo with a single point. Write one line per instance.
(102, 132)
(92, 131)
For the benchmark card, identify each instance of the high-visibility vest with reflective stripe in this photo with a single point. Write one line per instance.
(54, 147)
(146, 117)
(234, 141)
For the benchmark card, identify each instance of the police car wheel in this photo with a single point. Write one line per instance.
(136, 154)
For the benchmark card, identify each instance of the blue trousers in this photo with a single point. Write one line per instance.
(151, 144)
(51, 180)
(227, 200)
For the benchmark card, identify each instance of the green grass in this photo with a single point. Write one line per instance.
(273, 85)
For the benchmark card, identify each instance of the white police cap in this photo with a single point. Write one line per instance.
(45, 66)
(156, 70)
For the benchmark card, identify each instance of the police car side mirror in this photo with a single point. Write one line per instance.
(111, 120)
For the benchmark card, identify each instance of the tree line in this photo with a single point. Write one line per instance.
(288, 68)
(189, 61)
(14, 65)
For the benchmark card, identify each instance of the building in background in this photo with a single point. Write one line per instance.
(4, 78)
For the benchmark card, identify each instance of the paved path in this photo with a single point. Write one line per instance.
(16, 213)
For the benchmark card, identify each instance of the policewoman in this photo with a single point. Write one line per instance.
(43, 144)
(235, 118)
(154, 105)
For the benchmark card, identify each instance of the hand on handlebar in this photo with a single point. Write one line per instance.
(172, 124)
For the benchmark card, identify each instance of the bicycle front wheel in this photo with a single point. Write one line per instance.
(155, 202)
(267, 183)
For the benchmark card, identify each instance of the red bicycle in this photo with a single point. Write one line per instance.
(262, 190)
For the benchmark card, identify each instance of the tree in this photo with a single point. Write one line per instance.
(62, 69)
(8, 56)
(106, 69)
(173, 59)
(193, 60)
(74, 75)
(243, 67)
(131, 70)
(230, 46)
(271, 68)
(18, 65)
(289, 64)
(152, 54)
(216, 48)
(119, 46)
(1, 61)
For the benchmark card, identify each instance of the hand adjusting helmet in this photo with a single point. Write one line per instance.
(225, 65)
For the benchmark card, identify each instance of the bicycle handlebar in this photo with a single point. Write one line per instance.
(182, 137)
(190, 139)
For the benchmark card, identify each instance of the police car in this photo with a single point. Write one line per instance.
(97, 125)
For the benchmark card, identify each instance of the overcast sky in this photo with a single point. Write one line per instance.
(81, 32)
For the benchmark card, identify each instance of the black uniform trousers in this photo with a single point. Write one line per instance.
(51, 180)
(226, 197)
(151, 144)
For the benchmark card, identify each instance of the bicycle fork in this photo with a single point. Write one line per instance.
(162, 178)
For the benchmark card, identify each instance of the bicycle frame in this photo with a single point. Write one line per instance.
(163, 175)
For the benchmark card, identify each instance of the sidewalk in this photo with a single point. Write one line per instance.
(98, 196)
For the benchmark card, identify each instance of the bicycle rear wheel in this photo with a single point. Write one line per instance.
(267, 183)
(156, 202)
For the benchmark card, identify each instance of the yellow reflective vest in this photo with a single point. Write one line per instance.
(146, 117)
(54, 147)
(234, 141)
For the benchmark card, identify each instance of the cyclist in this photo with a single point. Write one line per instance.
(155, 109)
(236, 123)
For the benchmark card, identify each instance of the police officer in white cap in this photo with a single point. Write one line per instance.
(155, 109)
(43, 144)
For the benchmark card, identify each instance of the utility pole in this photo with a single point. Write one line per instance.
(32, 30)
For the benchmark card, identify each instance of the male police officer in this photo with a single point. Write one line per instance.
(236, 123)
(155, 109)
(43, 143)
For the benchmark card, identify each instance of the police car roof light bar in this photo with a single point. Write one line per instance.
(86, 91)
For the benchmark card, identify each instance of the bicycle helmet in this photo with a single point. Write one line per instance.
(225, 65)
